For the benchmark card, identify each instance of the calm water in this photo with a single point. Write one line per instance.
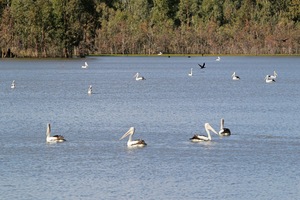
(259, 160)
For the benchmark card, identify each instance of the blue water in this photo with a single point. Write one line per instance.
(259, 160)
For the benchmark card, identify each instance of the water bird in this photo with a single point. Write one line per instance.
(224, 131)
(235, 77)
(138, 77)
(133, 143)
(218, 58)
(274, 76)
(201, 66)
(269, 80)
(13, 84)
(55, 138)
(160, 53)
(203, 138)
(85, 66)
(191, 72)
(90, 90)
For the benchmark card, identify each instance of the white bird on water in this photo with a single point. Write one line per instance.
(224, 131)
(55, 138)
(274, 76)
(13, 84)
(235, 77)
(218, 58)
(191, 72)
(203, 138)
(138, 77)
(133, 143)
(90, 90)
(269, 80)
(85, 66)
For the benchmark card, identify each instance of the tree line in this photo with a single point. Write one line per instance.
(68, 28)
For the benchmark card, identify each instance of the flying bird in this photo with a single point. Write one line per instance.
(201, 66)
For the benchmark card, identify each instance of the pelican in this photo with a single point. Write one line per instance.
(218, 58)
(160, 53)
(138, 77)
(90, 90)
(269, 80)
(201, 138)
(274, 76)
(85, 65)
(133, 143)
(55, 138)
(191, 72)
(13, 84)
(224, 131)
(201, 66)
(235, 77)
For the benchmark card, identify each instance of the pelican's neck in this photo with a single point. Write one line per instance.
(48, 132)
(208, 134)
(129, 139)
(222, 124)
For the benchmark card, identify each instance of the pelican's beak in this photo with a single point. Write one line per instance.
(129, 132)
(212, 129)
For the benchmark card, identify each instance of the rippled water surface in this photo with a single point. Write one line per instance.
(260, 160)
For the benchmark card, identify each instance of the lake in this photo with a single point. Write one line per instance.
(259, 160)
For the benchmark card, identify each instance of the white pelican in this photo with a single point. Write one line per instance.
(138, 77)
(224, 131)
(133, 143)
(160, 53)
(55, 138)
(90, 90)
(201, 138)
(191, 72)
(85, 65)
(13, 84)
(269, 80)
(274, 76)
(235, 77)
(218, 58)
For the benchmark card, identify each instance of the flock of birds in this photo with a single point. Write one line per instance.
(131, 143)
(141, 143)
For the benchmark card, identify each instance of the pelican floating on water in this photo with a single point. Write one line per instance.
(224, 131)
(133, 143)
(218, 58)
(55, 138)
(13, 84)
(269, 80)
(138, 77)
(235, 77)
(191, 72)
(85, 65)
(274, 76)
(160, 53)
(203, 138)
(90, 90)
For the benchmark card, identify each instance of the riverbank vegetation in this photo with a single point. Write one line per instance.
(68, 28)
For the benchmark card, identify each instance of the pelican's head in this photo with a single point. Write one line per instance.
(136, 75)
(129, 132)
(233, 74)
(275, 74)
(209, 128)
